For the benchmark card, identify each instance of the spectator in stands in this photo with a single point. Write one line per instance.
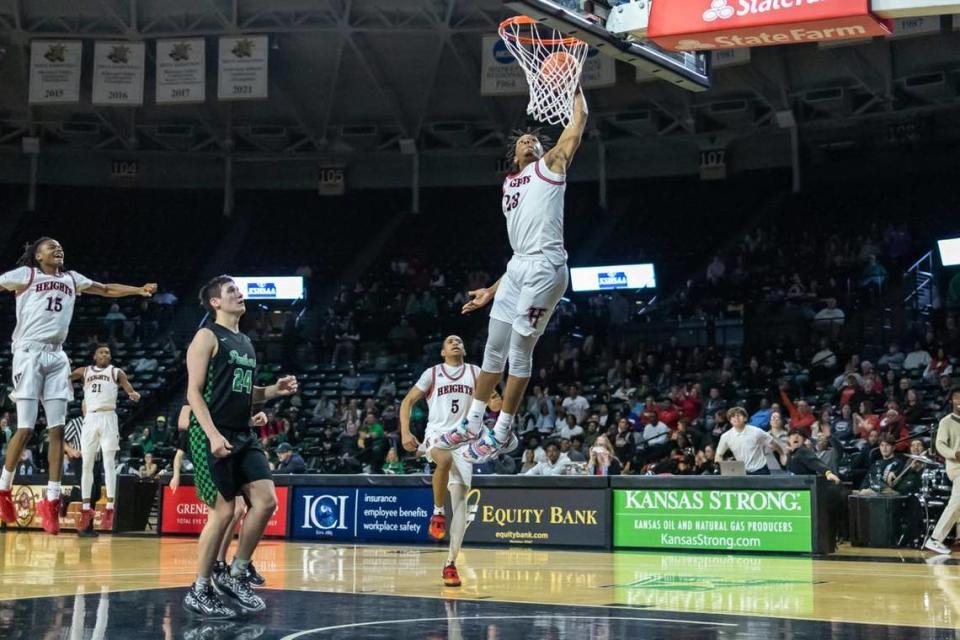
(865, 420)
(556, 464)
(830, 319)
(624, 441)
(163, 436)
(804, 462)
(843, 429)
(144, 440)
(714, 404)
(625, 390)
(113, 320)
(892, 425)
(824, 360)
(566, 448)
(893, 359)
(570, 427)
(747, 443)
(346, 339)
(883, 471)
(388, 388)
(874, 274)
(576, 404)
(917, 360)
(938, 366)
(373, 448)
(603, 461)
(291, 462)
(149, 468)
(706, 462)
(800, 415)
(913, 410)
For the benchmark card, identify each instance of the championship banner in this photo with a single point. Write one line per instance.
(181, 71)
(722, 519)
(55, 71)
(243, 68)
(575, 517)
(26, 497)
(118, 73)
(501, 74)
(183, 512)
(691, 25)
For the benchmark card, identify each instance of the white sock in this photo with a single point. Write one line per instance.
(6, 480)
(86, 505)
(110, 505)
(438, 511)
(504, 424)
(475, 415)
(53, 490)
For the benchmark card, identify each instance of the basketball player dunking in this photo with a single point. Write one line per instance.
(448, 388)
(220, 367)
(46, 295)
(101, 430)
(526, 295)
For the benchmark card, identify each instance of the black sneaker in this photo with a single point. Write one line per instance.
(254, 577)
(239, 590)
(219, 567)
(212, 631)
(205, 602)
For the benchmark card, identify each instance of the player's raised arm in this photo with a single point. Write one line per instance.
(480, 297)
(559, 158)
(16, 280)
(125, 383)
(202, 348)
(113, 290)
(408, 440)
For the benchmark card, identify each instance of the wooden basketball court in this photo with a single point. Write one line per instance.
(124, 587)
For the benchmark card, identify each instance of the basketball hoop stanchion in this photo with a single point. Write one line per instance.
(552, 64)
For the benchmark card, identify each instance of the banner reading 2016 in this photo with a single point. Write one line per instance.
(728, 519)
(243, 68)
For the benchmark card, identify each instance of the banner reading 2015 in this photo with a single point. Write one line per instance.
(727, 519)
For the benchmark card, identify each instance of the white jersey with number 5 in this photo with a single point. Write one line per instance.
(533, 207)
(448, 392)
(100, 388)
(44, 304)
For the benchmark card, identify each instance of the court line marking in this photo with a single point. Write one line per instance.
(354, 625)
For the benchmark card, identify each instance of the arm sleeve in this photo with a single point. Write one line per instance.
(425, 381)
(812, 463)
(83, 282)
(536, 470)
(943, 442)
(792, 410)
(16, 278)
(721, 448)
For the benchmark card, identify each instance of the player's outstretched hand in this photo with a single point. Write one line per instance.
(287, 386)
(259, 419)
(410, 442)
(219, 447)
(148, 289)
(135, 397)
(479, 298)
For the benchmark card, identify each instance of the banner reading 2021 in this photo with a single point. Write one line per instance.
(726, 519)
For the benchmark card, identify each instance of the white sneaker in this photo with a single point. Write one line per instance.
(937, 547)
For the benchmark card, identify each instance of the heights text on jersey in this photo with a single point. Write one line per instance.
(533, 207)
(45, 304)
(448, 392)
(100, 388)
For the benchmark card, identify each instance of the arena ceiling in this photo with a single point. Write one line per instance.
(360, 75)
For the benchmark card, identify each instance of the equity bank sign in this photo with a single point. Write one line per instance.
(688, 25)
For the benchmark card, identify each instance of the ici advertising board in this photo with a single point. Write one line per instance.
(714, 519)
(368, 513)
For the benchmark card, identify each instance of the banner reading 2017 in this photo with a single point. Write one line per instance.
(727, 519)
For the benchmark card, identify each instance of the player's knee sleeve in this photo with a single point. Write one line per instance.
(56, 411)
(498, 342)
(521, 355)
(27, 411)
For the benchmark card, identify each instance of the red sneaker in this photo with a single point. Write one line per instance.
(106, 523)
(450, 576)
(86, 520)
(49, 511)
(438, 526)
(8, 513)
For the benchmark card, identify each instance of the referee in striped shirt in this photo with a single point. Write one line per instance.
(71, 451)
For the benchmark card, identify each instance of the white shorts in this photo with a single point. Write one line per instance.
(461, 471)
(41, 375)
(100, 430)
(529, 293)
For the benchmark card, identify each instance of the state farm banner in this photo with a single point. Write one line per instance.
(692, 25)
(183, 512)
(118, 73)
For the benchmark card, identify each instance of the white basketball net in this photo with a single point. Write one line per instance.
(552, 88)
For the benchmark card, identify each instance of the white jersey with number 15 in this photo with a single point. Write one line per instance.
(44, 303)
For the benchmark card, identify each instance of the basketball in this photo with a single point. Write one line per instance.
(558, 66)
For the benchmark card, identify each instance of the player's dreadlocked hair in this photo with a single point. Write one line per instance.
(516, 135)
(29, 257)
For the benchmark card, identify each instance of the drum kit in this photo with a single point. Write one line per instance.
(933, 494)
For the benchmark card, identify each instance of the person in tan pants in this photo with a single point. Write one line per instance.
(948, 446)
